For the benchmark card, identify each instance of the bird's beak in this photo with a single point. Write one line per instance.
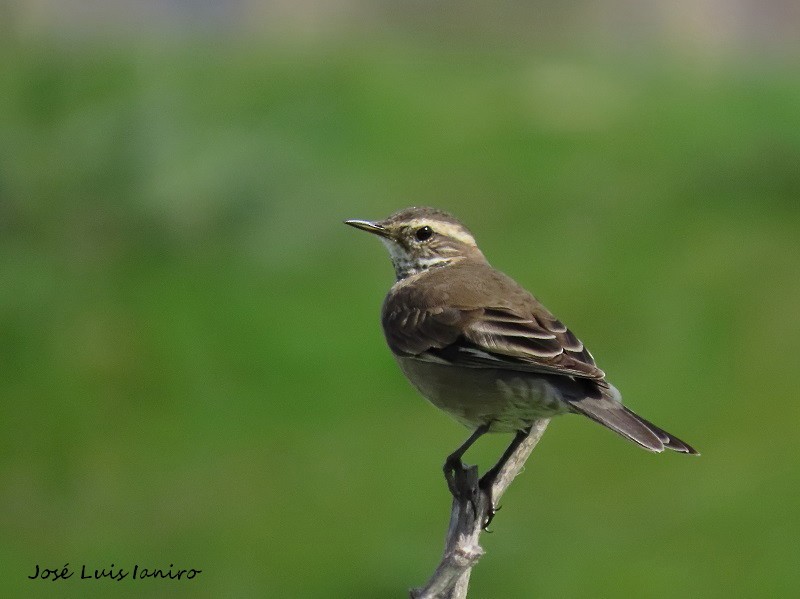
(368, 226)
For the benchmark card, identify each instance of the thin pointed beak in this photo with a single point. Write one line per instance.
(368, 226)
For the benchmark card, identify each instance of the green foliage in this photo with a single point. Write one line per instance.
(192, 368)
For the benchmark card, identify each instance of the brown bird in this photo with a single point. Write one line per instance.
(482, 348)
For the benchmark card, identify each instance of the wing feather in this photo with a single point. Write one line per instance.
(471, 315)
(487, 338)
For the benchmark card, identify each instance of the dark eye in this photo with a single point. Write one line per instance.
(423, 233)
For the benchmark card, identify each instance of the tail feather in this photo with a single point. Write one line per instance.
(670, 441)
(610, 412)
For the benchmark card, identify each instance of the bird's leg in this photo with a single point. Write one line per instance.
(462, 481)
(487, 480)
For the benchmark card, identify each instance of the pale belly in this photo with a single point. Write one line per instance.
(507, 400)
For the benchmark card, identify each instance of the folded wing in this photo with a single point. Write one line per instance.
(488, 338)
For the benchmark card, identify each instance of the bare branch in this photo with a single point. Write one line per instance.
(461, 550)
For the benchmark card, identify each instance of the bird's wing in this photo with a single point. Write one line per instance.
(538, 340)
(488, 338)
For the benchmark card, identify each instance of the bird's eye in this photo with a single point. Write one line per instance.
(423, 233)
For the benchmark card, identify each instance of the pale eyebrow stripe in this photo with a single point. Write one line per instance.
(447, 229)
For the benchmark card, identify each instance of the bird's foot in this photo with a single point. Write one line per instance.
(463, 483)
(485, 485)
(467, 488)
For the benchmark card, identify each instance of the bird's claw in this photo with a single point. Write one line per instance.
(491, 511)
(485, 484)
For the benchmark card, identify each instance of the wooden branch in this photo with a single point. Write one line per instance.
(461, 549)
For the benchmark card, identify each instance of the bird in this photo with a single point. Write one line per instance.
(483, 349)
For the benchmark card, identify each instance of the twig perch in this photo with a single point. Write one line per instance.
(461, 549)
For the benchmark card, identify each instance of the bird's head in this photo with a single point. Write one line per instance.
(421, 238)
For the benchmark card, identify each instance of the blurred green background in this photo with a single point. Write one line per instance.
(192, 370)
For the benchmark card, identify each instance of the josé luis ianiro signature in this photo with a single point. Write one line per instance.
(114, 573)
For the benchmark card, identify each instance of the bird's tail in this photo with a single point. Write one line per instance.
(609, 411)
